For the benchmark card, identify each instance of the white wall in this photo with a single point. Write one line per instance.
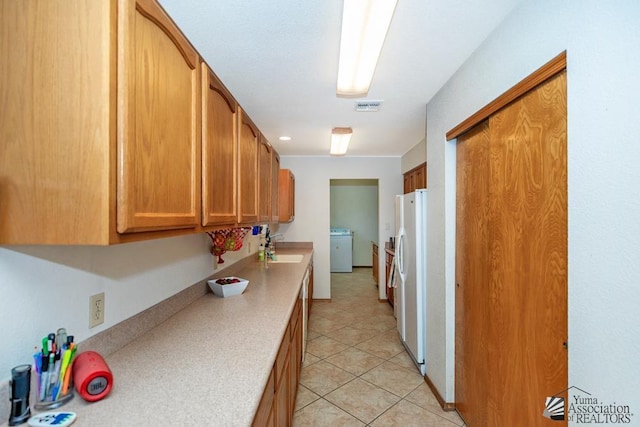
(43, 288)
(354, 205)
(312, 221)
(415, 156)
(602, 40)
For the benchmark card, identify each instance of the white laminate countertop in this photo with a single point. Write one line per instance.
(208, 364)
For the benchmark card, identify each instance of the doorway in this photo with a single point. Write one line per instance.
(354, 206)
(354, 209)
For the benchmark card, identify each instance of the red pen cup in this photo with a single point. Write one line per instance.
(91, 375)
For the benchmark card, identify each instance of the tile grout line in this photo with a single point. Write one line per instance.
(371, 314)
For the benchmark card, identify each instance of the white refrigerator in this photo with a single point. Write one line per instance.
(411, 281)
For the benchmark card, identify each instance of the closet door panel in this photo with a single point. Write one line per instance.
(528, 255)
(472, 274)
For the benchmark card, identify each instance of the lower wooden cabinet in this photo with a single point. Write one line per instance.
(375, 263)
(279, 398)
(388, 264)
(310, 292)
(264, 414)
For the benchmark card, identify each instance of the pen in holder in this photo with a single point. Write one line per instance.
(53, 371)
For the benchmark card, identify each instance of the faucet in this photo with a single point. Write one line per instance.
(268, 253)
(278, 237)
(270, 246)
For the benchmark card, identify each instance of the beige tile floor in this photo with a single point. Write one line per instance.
(356, 372)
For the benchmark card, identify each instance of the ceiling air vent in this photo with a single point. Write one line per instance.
(368, 106)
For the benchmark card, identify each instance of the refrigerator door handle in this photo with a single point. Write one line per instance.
(399, 256)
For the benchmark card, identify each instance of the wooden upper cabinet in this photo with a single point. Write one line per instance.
(415, 179)
(102, 136)
(408, 183)
(286, 196)
(264, 180)
(108, 136)
(275, 175)
(158, 135)
(219, 152)
(420, 177)
(248, 144)
(55, 125)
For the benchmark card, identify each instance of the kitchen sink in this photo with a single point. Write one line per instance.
(287, 258)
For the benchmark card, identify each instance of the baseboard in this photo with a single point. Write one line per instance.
(383, 300)
(446, 406)
(321, 300)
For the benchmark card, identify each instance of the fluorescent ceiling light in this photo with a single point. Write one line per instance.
(340, 138)
(364, 27)
(285, 138)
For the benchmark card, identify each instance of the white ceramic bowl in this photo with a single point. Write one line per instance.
(230, 289)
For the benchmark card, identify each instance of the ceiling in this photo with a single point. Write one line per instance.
(279, 58)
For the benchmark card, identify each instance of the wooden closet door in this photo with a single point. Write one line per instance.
(472, 274)
(528, 256)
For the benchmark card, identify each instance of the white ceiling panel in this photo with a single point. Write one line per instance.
(279, 58)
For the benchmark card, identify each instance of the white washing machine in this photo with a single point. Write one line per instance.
(341, 250)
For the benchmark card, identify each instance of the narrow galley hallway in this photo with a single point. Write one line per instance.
(356, 371)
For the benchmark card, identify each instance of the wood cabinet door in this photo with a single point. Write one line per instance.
(406, 179)
(264, 180)
(294, 364)
(310, 292)
(248, 142)
(275, 191)
(390, 291)
(286, 197)
(158, 126)
(281, 399)
(420, 176)
(374, 261)
(219, 152)
(292, 196)
(264, 414)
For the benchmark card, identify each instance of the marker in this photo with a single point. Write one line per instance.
(51, 339)
(45, 346)
(66, 358)
(55, 371)
(44, 377)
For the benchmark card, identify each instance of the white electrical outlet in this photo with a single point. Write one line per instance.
(96, 310)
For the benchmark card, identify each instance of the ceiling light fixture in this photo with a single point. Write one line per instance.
(285, 138)
(364, 27)
(340, 138)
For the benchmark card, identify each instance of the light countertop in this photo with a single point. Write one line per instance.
(206, 365)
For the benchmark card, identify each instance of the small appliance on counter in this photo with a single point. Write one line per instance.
(92, 376)
(20, 388)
